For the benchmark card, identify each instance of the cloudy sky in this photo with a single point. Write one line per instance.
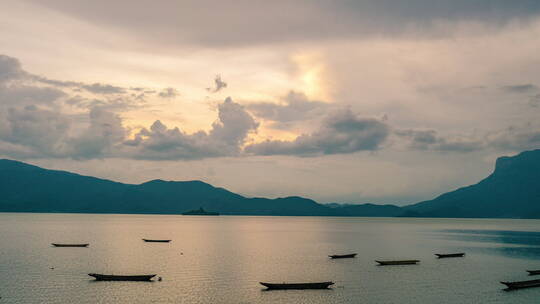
(340, 101)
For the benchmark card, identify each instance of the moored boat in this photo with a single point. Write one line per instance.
(522, 284)
(398, 262)
(533, 272)
(449, 255)
(317, 285)
(343, 256)
(69, 245)
(200, 211)
(112, 277)
(156, 241)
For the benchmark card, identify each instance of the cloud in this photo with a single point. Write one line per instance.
(104, 132)
(263, 22)
(295, 106)
(10, 68)
(21, 95)
(520, 88)
(95, 88)
(516, 138)
(99, 88)
(168, 93)
(226, 137)
(41, 131)
(340, 133)
(218, 85)
(431, 140)
(534, 101)
(19, 88)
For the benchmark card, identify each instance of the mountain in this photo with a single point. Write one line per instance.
(28, 188)
(511, 191)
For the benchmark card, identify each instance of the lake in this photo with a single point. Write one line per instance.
(221, 259)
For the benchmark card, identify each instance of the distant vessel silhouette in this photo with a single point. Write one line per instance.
(450, 255)
(199, 211)
(343, 256)
(398, 262)
(69, 245)
(112, 277)
(533, 272)
(318, 285)
(156, 241)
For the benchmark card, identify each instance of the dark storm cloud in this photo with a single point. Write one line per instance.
(343, 132)
(249, 22)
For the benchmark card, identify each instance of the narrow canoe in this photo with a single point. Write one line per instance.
(318, 285)
(402, 262)
(342, 256)
(522, 284)
(69, 245)
(450, 255)
(533, 272)
(156, 241)
(111, 277)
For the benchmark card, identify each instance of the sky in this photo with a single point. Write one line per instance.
(339, 101)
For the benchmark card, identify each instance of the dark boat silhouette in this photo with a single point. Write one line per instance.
(522, 284)
(398, 262)
(318, 285)
(69, 245)
(156, 241)
(533, 272)
(449, 255)
(343, 256)
(112, 277)
(199, 211)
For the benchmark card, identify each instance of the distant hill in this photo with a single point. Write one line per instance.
(27, 188)
(511, 191)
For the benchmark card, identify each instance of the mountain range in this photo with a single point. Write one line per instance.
(511, 191)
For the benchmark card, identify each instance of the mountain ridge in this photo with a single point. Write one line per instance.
(29, 188)
(512, 190)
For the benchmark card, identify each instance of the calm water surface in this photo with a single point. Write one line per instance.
(222, 259)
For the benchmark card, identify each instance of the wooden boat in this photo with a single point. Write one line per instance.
(449, 255)
(522, 284)
(200, 211)
(69, 245)
(399, 262)
(533, 272)
(112, 277)
(318, 285)
(342, 256)
(156, 241)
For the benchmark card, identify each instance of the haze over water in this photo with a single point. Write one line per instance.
(222, 259)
